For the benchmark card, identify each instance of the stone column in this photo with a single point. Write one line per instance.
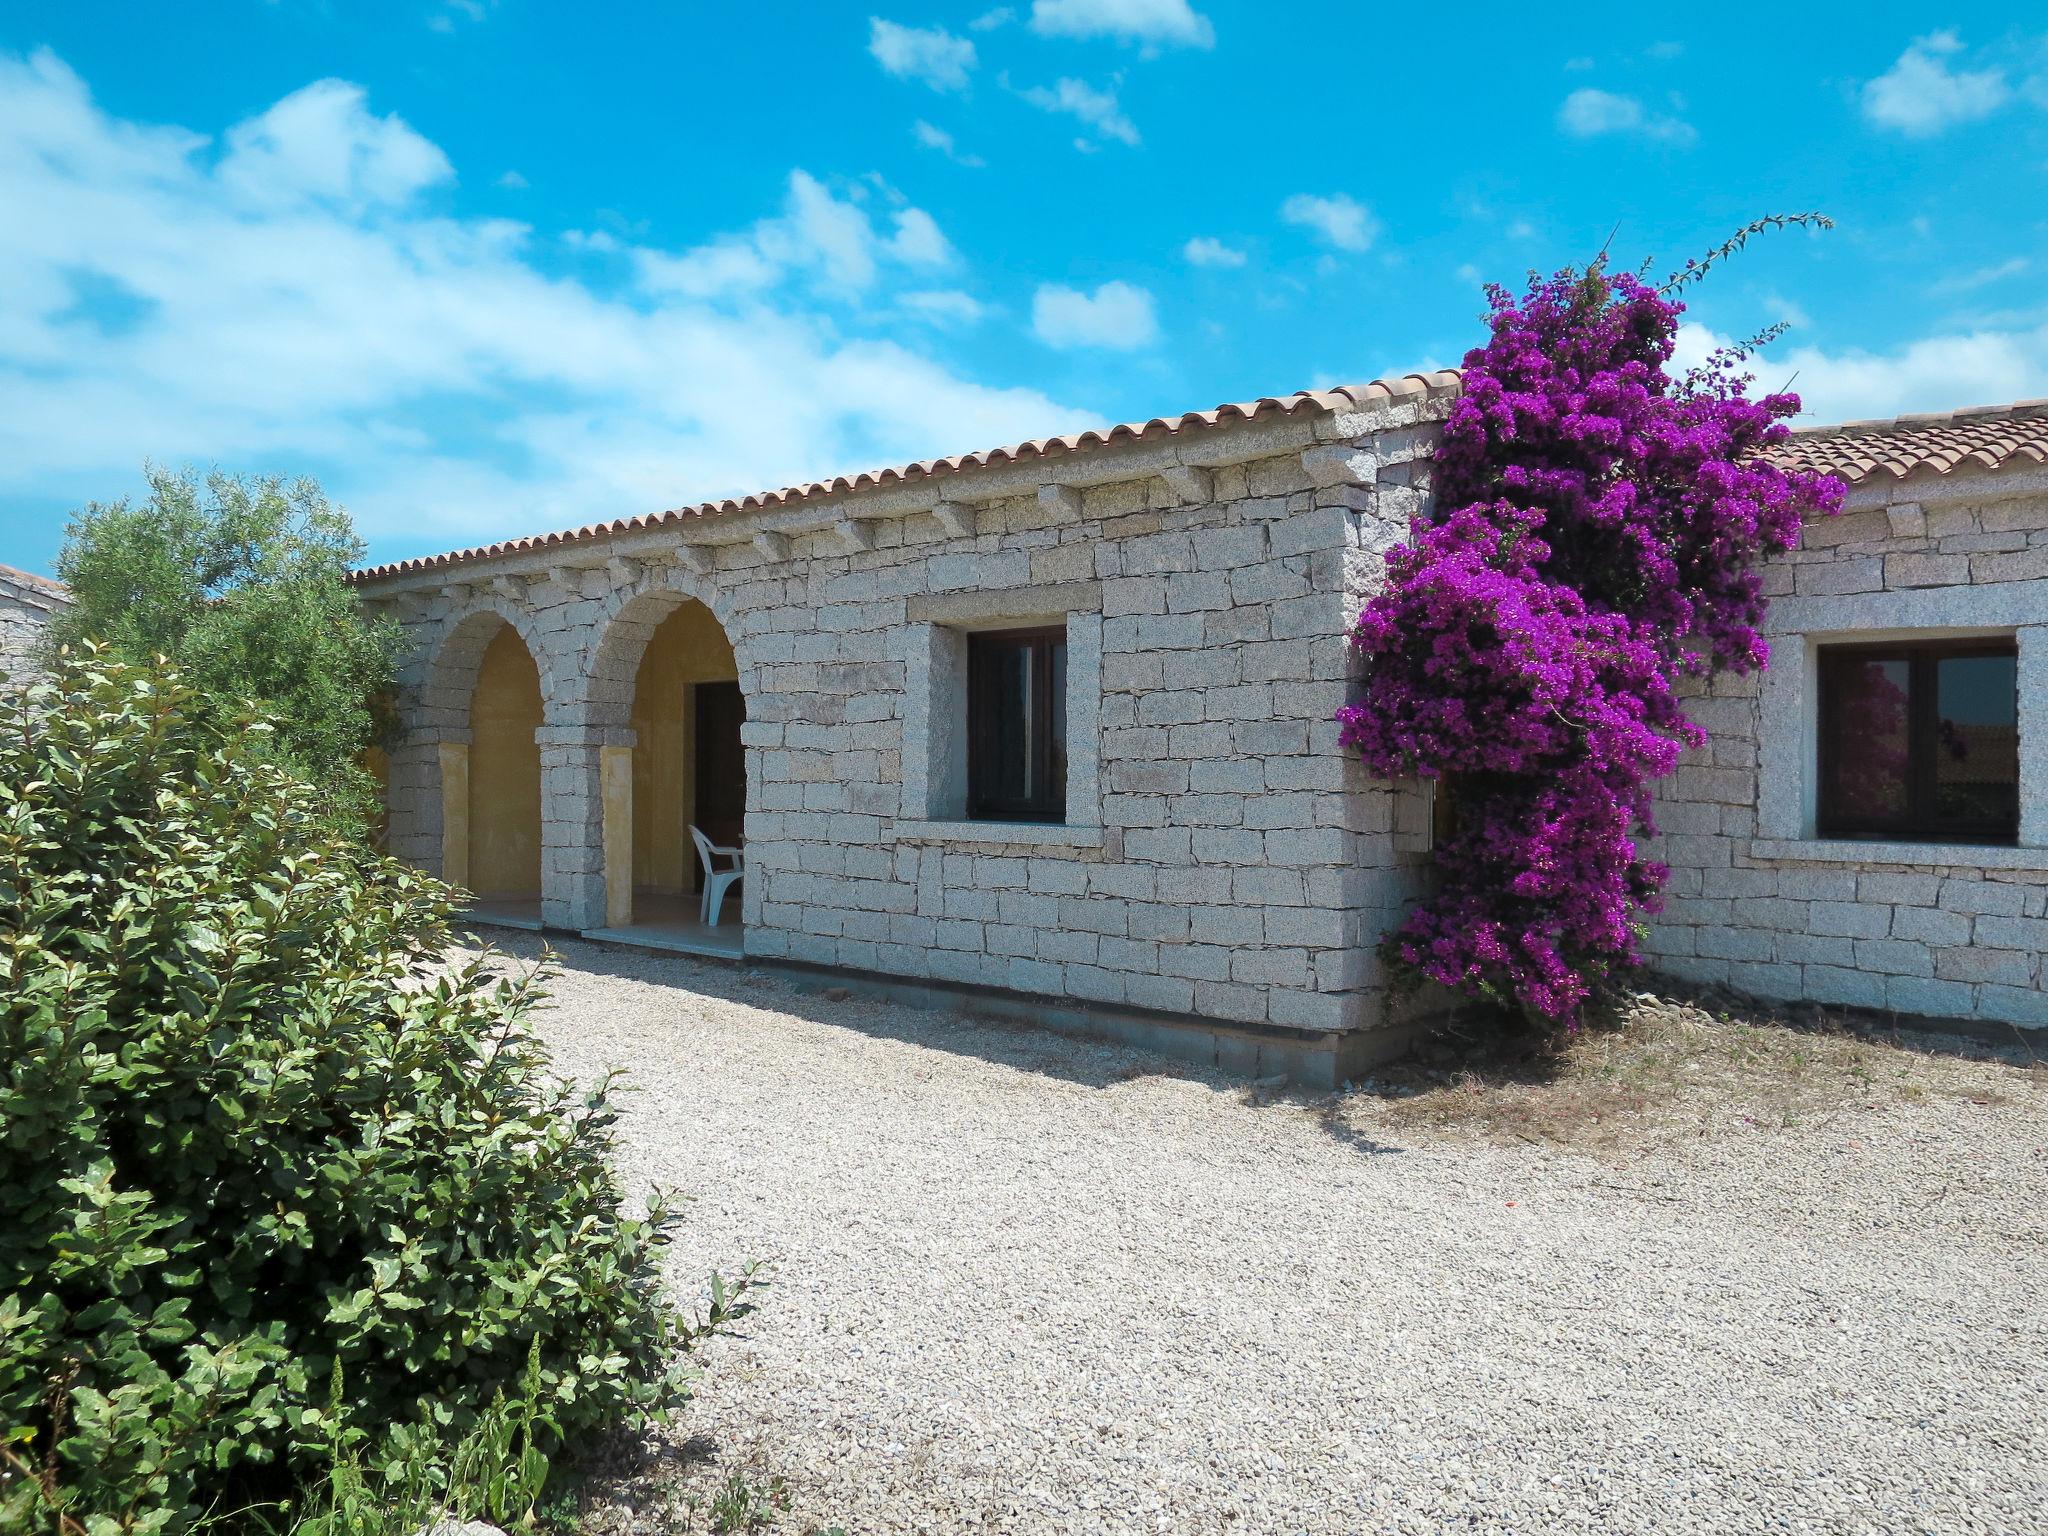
(455, 812)
(572, 825)
(615, 766)
(413, 800)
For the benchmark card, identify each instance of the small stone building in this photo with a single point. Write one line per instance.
(1050, 728)
(27, 604)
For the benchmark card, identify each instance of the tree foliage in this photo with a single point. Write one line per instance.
(274, 1179)
(241, 582)
(1597, 529)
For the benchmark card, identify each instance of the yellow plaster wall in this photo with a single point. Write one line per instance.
(504, 773)
(687, 647)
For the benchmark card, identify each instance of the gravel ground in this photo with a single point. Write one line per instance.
(1028, 1284)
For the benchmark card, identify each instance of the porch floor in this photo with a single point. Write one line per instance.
(670, 923)
(504, 914)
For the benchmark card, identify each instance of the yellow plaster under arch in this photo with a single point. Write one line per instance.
(504, 773)
(688, 647)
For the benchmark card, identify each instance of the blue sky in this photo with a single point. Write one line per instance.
(491, 266)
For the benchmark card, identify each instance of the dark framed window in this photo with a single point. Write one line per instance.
(1920, 740)
(1017, 725)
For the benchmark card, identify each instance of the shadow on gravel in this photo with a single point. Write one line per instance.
(1084, 1061)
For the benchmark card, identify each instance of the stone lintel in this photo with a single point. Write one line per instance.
(1016, 605)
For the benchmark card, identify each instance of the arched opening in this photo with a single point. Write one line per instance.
(504, 780)
(688, 771)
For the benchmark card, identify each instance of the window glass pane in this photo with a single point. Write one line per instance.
(1006, 772)
(1869, 708)
(1055, 797)
(1977, 752)
(1017, 708)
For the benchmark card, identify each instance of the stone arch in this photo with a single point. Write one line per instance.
(624, 622)
(663, 687)
(484, 698)
(456, 652)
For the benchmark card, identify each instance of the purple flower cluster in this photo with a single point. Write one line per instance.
(1598, 530)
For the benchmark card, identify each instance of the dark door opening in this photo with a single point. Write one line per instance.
(721, 795)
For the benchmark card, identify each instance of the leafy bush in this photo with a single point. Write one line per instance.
(1596, 533)
(255, 1139)
(242, 582)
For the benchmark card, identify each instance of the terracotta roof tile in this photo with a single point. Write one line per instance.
(1380, 392)
(31, 580)
(1984, 437)
(1981, 437)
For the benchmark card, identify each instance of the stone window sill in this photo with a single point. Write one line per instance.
(1850, 851)
(1033, 833)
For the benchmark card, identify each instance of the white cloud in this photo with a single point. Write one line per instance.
(512, 181)
(931, 54)
(1096, 108)
(1934, 373)
(725, 267)
(1983, 277)
(937, 138)
(1151, 22)
(436, 371)
(917, 240)
(1589, 112)
(1341, 221)
(444, 18)
(1208, 251)
(321, 143)
(941, 306)
(818, 234)
(988, 21)
(1117, 315)
(1921, 95)
(1784, 311)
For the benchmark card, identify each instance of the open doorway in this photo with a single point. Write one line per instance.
(688, 769)
(719, 795)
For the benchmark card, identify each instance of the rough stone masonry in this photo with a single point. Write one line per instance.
(27, 604)
(1224, 872)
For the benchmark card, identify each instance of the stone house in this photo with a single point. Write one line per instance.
(1869, 826)
(1049, 728)
(27, 604)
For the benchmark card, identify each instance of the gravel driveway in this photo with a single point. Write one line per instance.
(1027, 1284)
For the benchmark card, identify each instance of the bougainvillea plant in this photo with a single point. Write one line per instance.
(1596, 532)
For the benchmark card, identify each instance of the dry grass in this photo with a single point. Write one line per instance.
(1655, 1070)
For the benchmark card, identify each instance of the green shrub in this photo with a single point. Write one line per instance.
(255, 1138)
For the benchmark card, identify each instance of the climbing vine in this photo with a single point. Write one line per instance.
(1597, 530)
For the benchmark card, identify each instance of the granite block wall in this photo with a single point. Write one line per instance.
(1221, 857)
(1757, 900)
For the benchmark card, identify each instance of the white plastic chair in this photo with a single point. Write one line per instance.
(716, 881)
